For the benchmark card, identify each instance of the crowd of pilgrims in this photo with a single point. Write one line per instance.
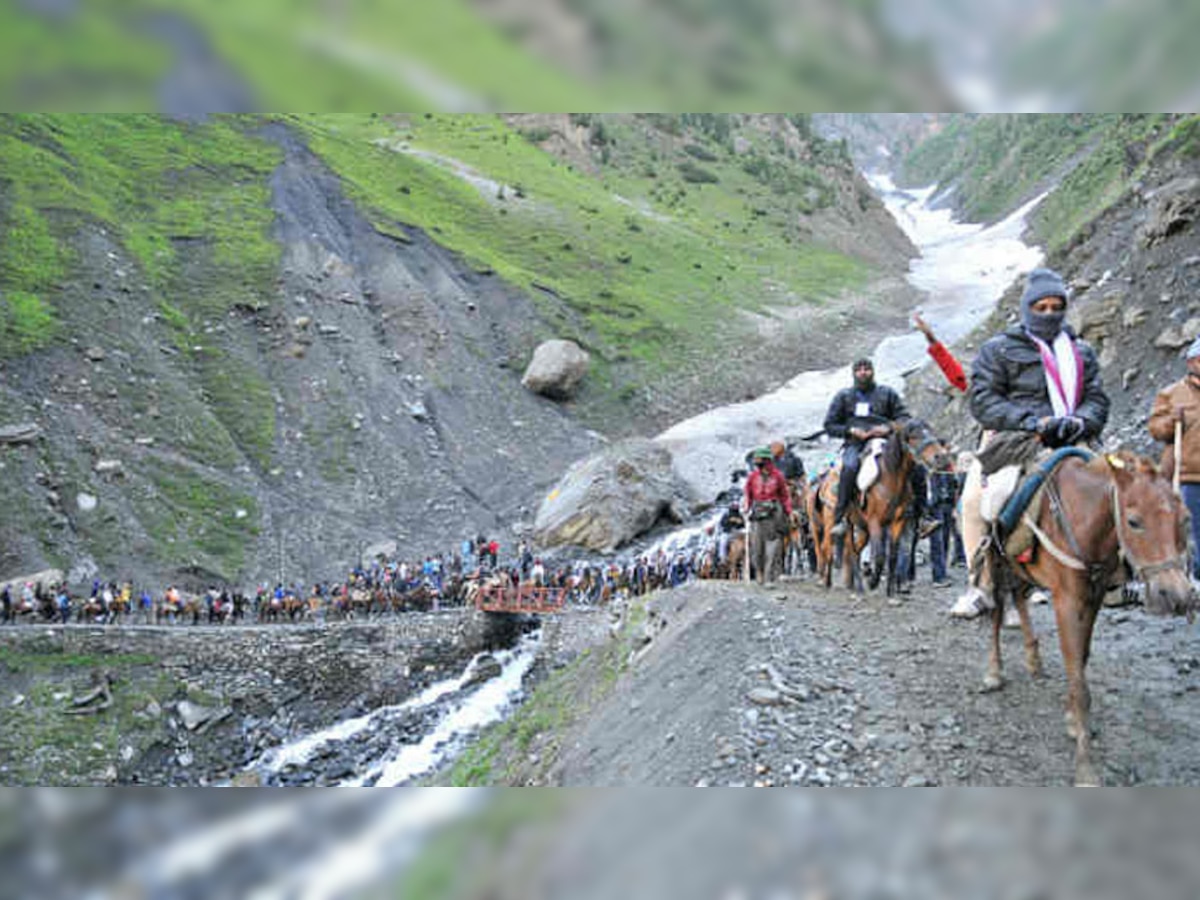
(439, 581)
(385, 586)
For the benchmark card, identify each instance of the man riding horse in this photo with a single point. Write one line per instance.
(1035, 378)
(858, 414)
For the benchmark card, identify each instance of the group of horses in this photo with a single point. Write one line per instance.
(1102, 520)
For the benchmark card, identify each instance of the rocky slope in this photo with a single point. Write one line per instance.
(722, 684)
(252, 347)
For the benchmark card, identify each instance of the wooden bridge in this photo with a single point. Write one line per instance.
(522, 598)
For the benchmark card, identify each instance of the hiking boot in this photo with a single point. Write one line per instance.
(839, 529)
(969, 605)
(942, 583)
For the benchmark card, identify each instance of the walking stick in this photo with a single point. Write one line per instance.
(749, 544)
(1178, 453)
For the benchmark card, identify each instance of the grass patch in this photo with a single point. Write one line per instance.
(628, 291)
(156, 184)
(193, 520)
(42, 745)
(462, 859)
(34, 661)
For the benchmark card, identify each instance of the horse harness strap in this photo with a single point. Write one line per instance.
(1096, 571)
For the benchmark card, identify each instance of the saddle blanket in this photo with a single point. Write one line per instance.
(868, 469)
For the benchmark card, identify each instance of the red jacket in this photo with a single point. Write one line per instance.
(771, 487)
(950, 366)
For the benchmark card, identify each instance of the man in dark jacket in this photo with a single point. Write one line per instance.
(1038, 378)
(1010, 387)
(857, 414)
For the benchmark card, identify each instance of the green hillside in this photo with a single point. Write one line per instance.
(463, 54)
(997, 162)
(671, 230)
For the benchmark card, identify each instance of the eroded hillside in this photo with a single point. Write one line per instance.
(254, 346)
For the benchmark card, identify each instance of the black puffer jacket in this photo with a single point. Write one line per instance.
(853, 408)
(1008, 386)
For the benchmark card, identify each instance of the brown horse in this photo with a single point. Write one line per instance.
(831, 553)
(886, 514)
(735, 557)
(796, 541)
(1096, 517)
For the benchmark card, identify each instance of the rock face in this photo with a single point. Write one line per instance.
(610, 498)
(556, 369)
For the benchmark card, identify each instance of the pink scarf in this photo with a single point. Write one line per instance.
(1063, 365)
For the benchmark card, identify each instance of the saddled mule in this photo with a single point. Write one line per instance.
(1097, 517)
(796, 542)
(830, 553)
(887, 510)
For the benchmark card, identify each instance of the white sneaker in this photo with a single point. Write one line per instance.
(970, 604)
(1012, 618)
(1039, 596)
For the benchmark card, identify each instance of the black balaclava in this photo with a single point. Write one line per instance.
(864, 383)
(1043, 283)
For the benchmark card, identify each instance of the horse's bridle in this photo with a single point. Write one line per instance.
(1143, 571)
(1097, 570)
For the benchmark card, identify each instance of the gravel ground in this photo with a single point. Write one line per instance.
(876, 694)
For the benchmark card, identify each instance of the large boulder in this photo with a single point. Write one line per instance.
(556, 369)
(610, 498)
(1173, 207)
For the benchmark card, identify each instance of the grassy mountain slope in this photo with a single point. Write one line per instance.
(225, 309)
(994, 163)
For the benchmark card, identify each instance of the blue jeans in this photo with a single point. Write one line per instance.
(1191, 499)
(939, 541)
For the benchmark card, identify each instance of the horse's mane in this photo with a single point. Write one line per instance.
(893, 450)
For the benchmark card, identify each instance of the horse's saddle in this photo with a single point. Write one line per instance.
(1007, 497)
(868, 469)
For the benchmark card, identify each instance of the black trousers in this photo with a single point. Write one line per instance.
(851, 460)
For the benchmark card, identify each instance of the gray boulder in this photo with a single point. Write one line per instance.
(1173, 207)
(609, 498)
(556, 369)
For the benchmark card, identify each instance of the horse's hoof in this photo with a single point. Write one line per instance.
(991, 684)
(1085, 776)
(1073, 730)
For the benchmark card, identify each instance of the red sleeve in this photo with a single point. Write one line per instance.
(950, 366)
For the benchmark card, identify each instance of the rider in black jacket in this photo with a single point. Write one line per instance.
(856, 415)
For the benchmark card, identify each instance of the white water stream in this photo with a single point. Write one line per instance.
(963, 270)
(487, 704)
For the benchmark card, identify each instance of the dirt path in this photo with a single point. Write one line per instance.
(886, 696)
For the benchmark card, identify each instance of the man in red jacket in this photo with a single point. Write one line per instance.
(768, 506)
